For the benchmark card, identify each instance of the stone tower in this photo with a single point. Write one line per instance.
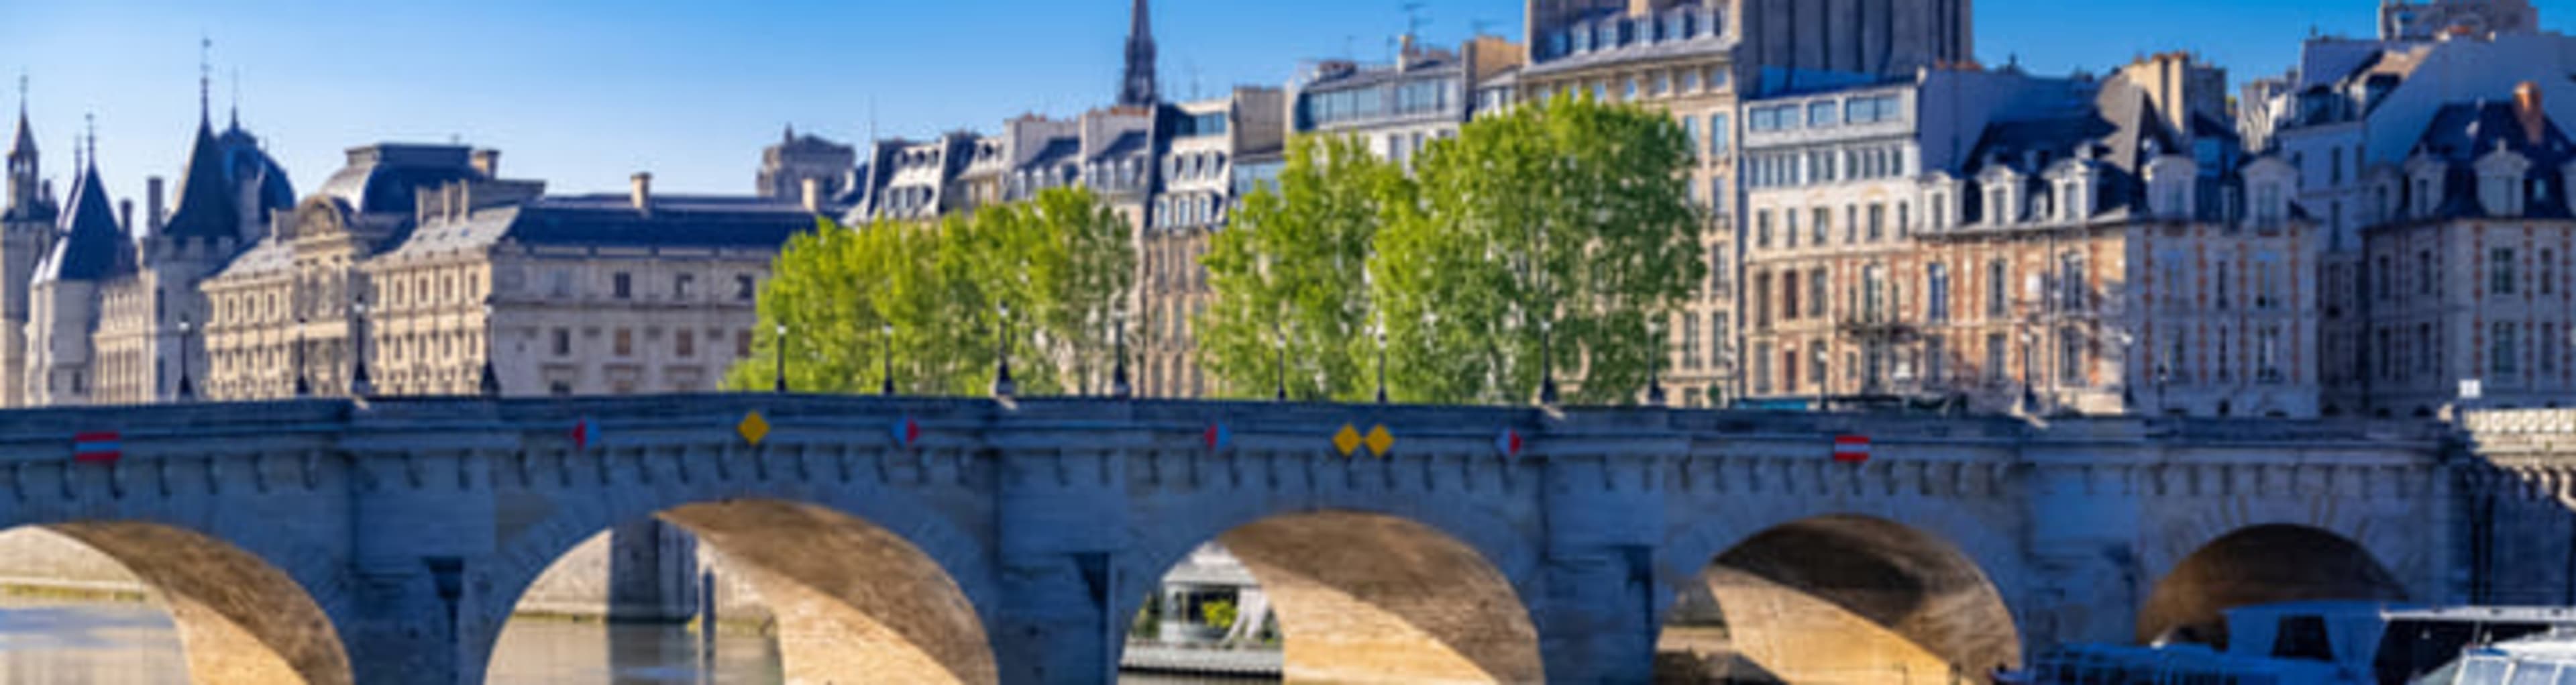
(1137, 90)
(26, 232)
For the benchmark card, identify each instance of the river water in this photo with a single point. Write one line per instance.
(56, 642)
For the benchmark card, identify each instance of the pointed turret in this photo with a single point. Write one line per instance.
(93, 246)
(208, 207)
(1137, 90)
(26, 202)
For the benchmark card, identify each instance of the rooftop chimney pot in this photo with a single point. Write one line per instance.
(643, 192)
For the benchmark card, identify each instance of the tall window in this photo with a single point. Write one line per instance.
(1789, 286)
(2219, 282)
(2177, 356)
(1762, 368)
(1789, 369)
(1998, 362)
(1761, 302)
(2070, 356)
(1690, 340)
(1823, 226)
(1873, 288)
(2548, 272)
(2071, 282)
(683, 286)
(563, 342)
(2549, 348)
(1877, 221)
(2267, 354)
(2500, 271)
(1721, 134)
(621, 285)
(745, 288)
(1998, 289)
(2267, 282)
(625, 342)
(685, 343)
(1690, 129)
(1936, 360)
(1936, 292)
(2504, 349)
(1819, 288)
(1762, 229)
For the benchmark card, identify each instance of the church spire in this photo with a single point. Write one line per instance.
(205, 81)
(25, 147)
(1138, 88)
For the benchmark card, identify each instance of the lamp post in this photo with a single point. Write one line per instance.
(1546, 365)
(885, 356)
(1654, 362)
(1381, 360)
(187, 390)
(2030, 371)
(359, 385)
(303, 386)
(1003, 387)
(778, 373)
(1119, 388)
(490, 383)
(1282, 333)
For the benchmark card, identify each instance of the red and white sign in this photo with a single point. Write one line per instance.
(1851, 449)
(98, 447)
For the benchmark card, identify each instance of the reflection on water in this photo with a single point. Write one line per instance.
(55, 641)
(62, 642)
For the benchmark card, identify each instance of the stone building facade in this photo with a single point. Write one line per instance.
(27, 232)
(420, 266)
(1200, 145)
(796, 161)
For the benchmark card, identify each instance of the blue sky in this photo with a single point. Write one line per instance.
(582, 93)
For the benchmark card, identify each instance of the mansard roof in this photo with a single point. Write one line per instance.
(677, 221)
(380, 178)
(2462, 133)
(213, 187)
(94, 246)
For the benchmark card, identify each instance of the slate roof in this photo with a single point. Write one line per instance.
(2463, 133)
(93, 246)
(206, 205)
(611, 221)
(379, 179)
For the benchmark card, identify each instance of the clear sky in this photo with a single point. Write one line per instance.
(582, 93)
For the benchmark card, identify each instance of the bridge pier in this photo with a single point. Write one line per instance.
(1063, 526)
(1597, 616)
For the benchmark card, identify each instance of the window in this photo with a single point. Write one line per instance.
(1721, 135)
(625, 343)
(2548, 272)
(1690, 130)
(1936, 360)
(2070, 356)
(1789, 285)
(2500, 271)
(621, 285)
(1998, 290)
(2424, 276)
(1762, 368)
(1791, 216)
(1718, 270)
(2267, 281)
(1761, 302)
(1789, 368)
(742, 343)
(685, 343)
(2177, 356)
(1824, 225)
(1873, 287)
(2219, 283)
(1762, 228)
(1690, 340)
(745, 288)
(1936, 292)
(1816, 354)
(1822, 114)
(1877, 221)
(1819, 289)
(2267, 355)
(682, 286)
(2503, 352)
(563, 342)
(1998, 364)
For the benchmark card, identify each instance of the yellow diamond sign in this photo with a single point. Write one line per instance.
(753, 428)
(1380, 440)
(1348, 440)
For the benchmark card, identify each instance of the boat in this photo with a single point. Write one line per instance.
(2339, 643)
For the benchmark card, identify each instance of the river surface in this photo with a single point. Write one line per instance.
(56, 642)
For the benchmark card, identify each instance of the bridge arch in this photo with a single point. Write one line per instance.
(2260, 564)
(1836, 598)
(239, 617)
(860, 580)
(1410, 593)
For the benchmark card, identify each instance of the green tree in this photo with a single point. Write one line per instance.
(933, 294)
(1291, 269)
(1573, 217)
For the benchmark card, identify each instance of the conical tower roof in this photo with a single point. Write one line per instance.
(94, 246)
(207, 207)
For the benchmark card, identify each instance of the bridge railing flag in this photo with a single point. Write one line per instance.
(1851, 449)
(98, 447)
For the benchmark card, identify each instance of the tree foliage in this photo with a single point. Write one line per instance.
(1291, 271)
(1568, 222)
(931, 296)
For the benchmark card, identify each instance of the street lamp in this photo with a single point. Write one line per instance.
(885, 356)
(1002, 385)
(303, 386)
(359, 385)
(1546, 365)
(1381, 360)
(1654, 362)
(490, 383)
(187, 390)
(2030, 371)
(1119, 388)
(1282, 333)
(778, 374)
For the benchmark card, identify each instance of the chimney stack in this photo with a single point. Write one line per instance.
(125, 213)
(814, 195)
(2526, 109)
(643, 193)
(487, 163)
(152, 203)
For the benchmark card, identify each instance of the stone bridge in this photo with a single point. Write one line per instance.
(389, 541)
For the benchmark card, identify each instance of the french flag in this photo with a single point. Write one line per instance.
(97, 447)
(1851, 449)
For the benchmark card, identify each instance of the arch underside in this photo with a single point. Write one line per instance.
(1364, 598)
(853, 601)
(1837, 600)
(239, 619)
(2260, 565)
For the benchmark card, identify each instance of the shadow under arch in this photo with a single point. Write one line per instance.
(239, 618)
(853, 601)
(2262, 564)
(1836, 599)
(1376, 598)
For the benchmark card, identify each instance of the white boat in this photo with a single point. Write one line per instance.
(2341, 643)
